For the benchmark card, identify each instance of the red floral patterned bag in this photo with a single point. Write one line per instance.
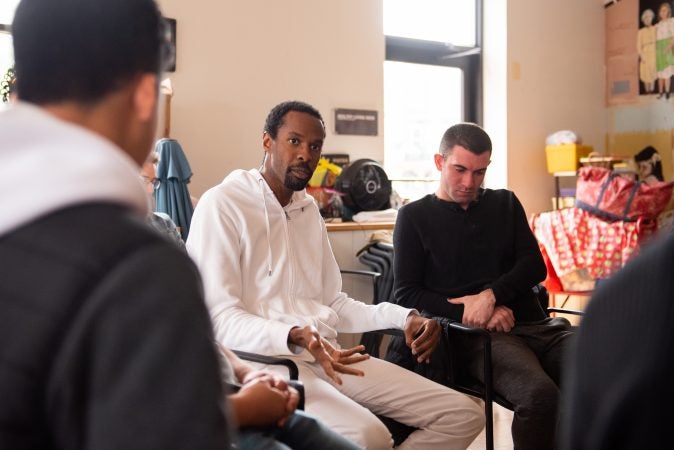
(611, 196)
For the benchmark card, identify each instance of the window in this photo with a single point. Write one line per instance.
(432, 20)
(7, 8)
(432, 79)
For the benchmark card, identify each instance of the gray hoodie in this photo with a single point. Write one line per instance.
(48, 164)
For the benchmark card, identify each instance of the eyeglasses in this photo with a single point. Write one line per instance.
(155, 182)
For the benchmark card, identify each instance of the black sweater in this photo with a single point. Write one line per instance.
(443, 251)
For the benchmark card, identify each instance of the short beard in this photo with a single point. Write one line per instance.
(294, 183)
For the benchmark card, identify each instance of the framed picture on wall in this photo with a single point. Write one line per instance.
(172, 30)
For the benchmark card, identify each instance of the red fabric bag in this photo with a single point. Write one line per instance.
(610, 196)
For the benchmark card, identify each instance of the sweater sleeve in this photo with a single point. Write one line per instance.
(528, 268)
(409, 267)
(143, 346)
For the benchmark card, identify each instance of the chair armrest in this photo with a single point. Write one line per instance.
(293, 372)
(370, 273)
(391, 332)
(566, 311)
(469, 330)
(375, 276)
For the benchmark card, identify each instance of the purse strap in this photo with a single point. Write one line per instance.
(628, 205)
(604, 186)
(633, 193)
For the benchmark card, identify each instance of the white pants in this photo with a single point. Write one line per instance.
(445, 418)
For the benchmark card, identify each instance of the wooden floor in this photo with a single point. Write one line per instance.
(502, 437)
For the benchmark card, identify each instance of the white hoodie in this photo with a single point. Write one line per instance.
(267, 269)
(48, 164)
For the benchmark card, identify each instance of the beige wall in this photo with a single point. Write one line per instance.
(555, 82)
(236, 59)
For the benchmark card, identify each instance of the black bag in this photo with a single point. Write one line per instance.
(365, 186)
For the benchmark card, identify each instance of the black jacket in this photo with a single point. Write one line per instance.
(106, 341)
(619, 373)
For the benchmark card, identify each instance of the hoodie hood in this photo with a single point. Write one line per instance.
(49, 164)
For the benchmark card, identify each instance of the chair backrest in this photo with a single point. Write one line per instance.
(380, 261)
(385, 251)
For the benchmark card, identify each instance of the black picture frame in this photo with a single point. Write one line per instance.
(172, 24)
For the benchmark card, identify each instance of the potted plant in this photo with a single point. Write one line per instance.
(7, 85)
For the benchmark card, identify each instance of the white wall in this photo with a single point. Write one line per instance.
(495, 88)
(555, 82)
(237, 59)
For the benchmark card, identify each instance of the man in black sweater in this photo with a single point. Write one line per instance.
(106, 341)
(468, 254)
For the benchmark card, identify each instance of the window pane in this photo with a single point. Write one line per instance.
(7, 8)
(6, 53)
(450, 21)
(420, 103)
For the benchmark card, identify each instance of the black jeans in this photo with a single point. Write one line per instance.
(527, 370)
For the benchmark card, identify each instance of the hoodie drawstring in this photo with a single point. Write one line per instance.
(266, 222)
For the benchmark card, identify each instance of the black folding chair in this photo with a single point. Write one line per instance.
(455, 378)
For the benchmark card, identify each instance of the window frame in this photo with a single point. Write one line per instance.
(467, 59)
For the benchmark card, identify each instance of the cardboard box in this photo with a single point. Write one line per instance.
(565, 157)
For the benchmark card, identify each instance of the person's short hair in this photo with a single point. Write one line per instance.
(647, 13)
(275, 117)
(468, 135)
(82, 50)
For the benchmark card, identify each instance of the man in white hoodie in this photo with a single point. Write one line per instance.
(106, 340)
(273, 286)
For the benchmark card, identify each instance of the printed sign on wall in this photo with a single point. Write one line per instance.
(359, 122)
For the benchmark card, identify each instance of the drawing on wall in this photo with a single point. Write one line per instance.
(647, 56)
(655, 40)
(639, 50)
(639, 84)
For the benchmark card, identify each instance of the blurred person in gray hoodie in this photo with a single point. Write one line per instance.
(106, 342)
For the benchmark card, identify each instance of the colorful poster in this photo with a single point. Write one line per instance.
(639, 82)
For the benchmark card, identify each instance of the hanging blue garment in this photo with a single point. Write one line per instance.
(173, 174)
